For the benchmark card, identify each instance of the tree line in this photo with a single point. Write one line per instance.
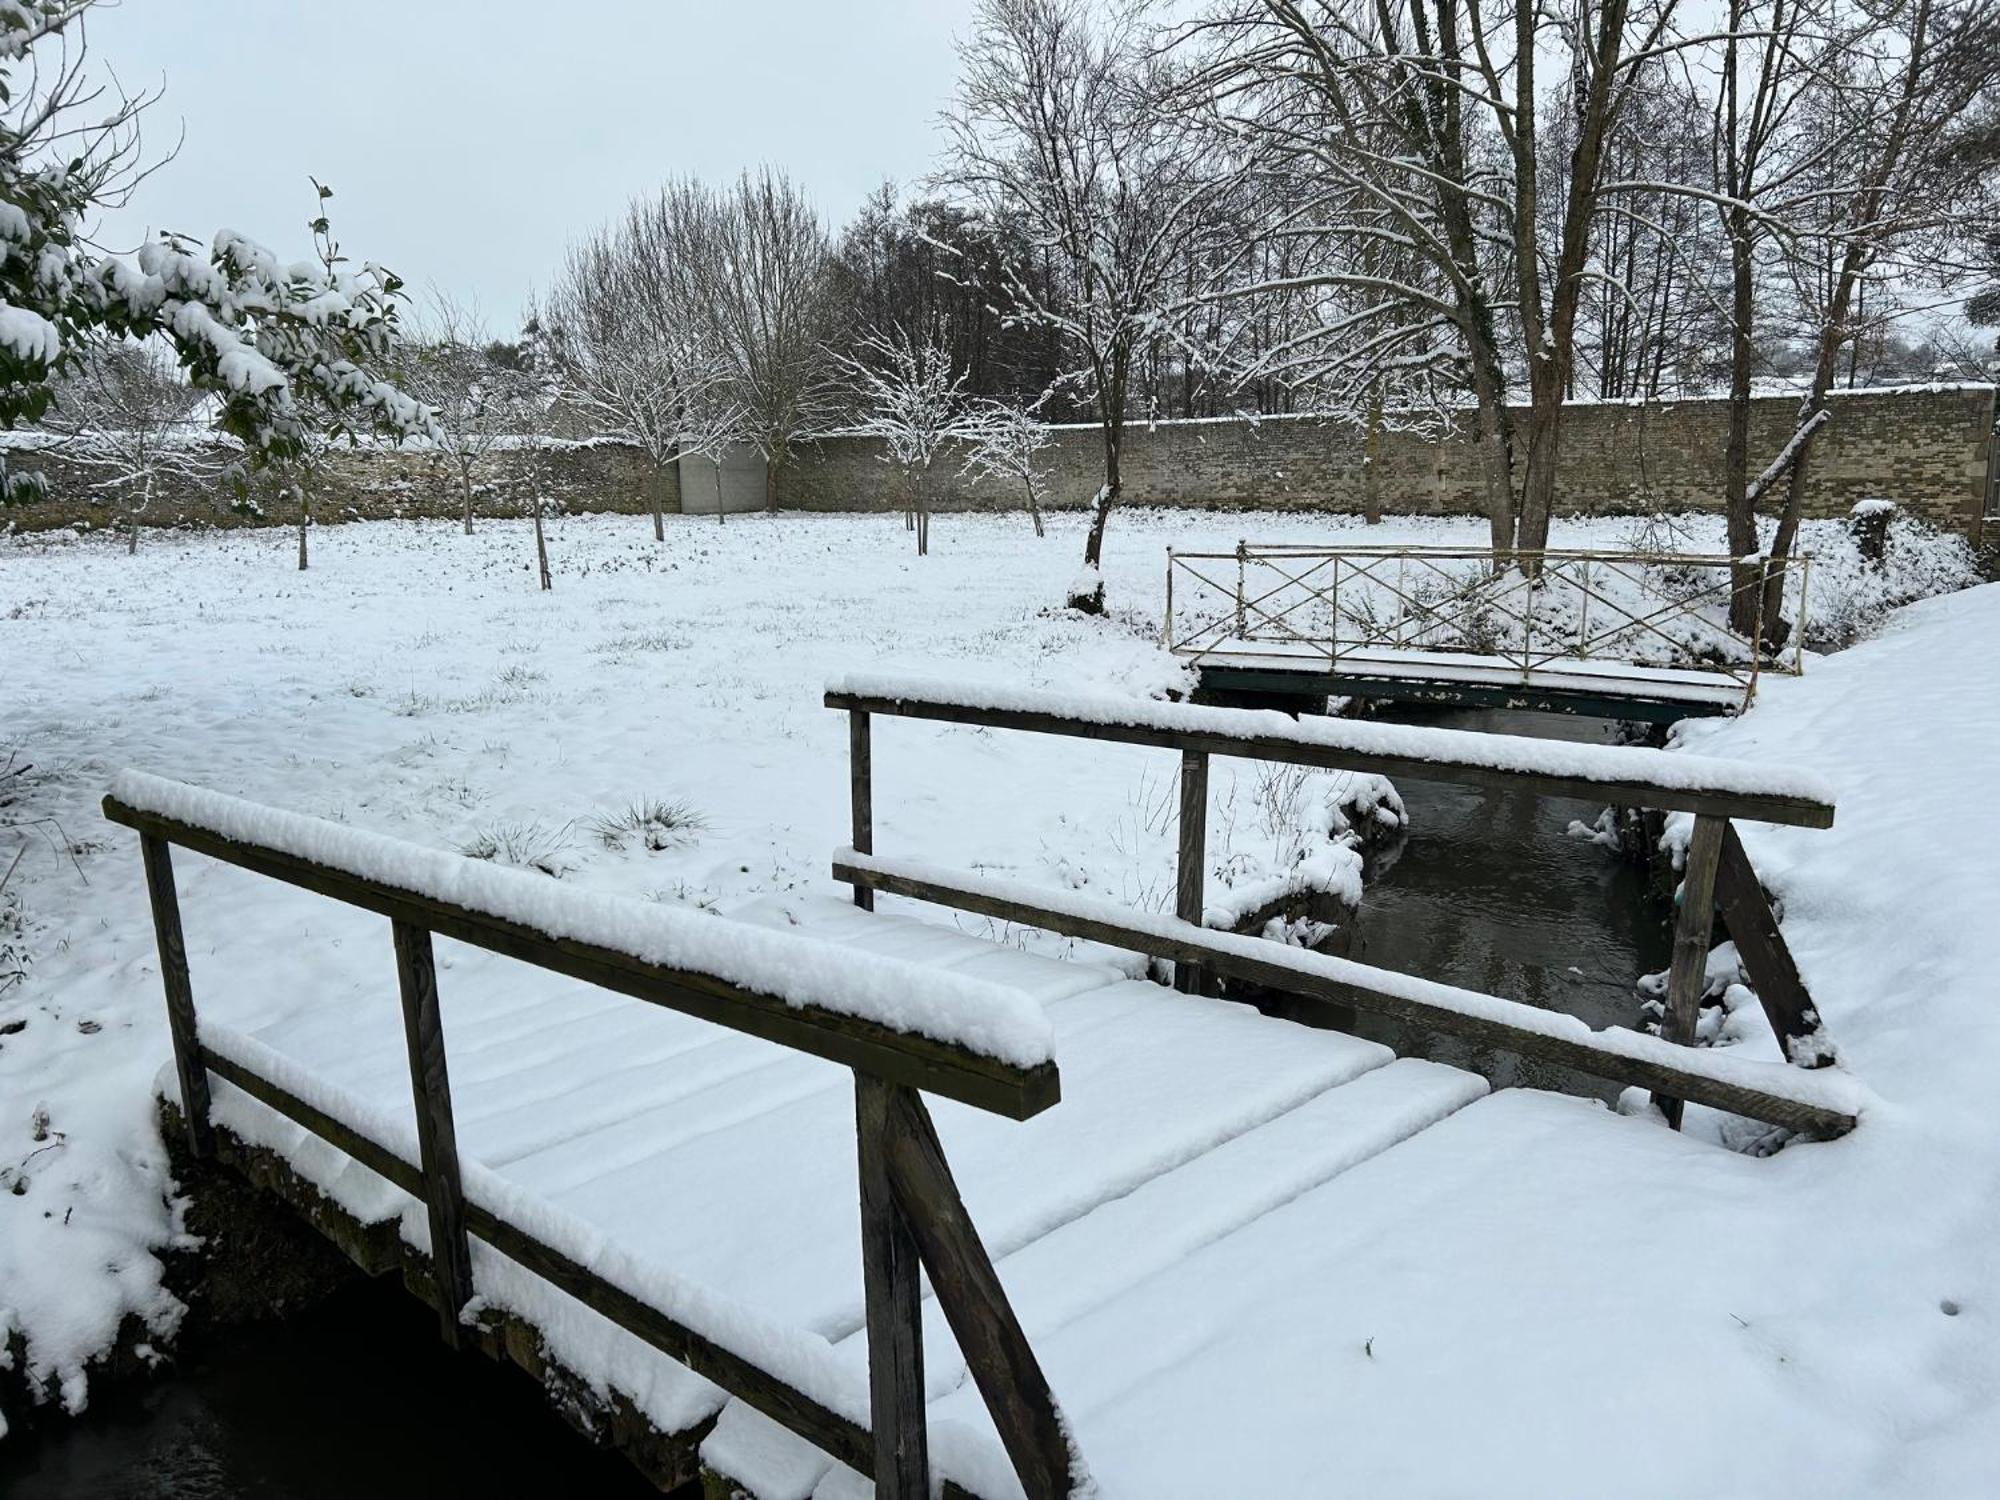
(1396, 214)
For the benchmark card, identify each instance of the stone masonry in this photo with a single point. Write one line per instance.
(1930, 449)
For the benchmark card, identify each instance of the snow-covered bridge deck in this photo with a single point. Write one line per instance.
(1169, 1280)
(1573, 685)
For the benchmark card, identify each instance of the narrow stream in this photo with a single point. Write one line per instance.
(356, 1397)
(1490, 892)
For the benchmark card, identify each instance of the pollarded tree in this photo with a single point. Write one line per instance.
(478, 402)
(127, 413)
(914, 401)
(1008, 441)
(1056, 135)
(283, 348)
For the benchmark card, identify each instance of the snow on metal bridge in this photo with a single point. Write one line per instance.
(1618, 634)
(854, 1201)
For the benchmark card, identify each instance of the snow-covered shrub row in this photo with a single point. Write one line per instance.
(1848, 596)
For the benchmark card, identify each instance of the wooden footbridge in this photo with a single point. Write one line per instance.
(1612, 634)
(855, 1203)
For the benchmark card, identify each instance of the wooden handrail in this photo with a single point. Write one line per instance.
(912, 1216)
(1631, 776)
(1771, 1092)
(953, 1072)
(1713, 790)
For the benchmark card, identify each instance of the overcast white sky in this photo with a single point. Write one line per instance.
(467, 140)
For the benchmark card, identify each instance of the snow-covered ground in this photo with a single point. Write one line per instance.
(653, 728)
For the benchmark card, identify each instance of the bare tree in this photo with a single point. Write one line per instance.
(1919, 84)
(763, 276)
(477, 402)
(127, 412)
(1055, 133)
(625, 334)
(914, 401)
(1362, 131)
(1007, 441)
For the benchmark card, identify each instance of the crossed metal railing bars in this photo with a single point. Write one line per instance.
(1352, 606)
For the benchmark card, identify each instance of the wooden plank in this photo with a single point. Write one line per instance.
(892, 1283)
(1584, 1056)
(996, 1351)
(1767, 958)
(437, 1135)
(1800, 811)
(159, 862)
(1694, 925)
(1191, 871)
(861, 795)
(836, 1435)
(902, 1057)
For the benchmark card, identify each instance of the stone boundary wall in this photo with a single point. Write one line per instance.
(368, 484)
(1930, 449)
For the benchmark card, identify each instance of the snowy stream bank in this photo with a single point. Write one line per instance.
(416, 684)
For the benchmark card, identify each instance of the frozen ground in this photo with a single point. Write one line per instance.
(416, 683)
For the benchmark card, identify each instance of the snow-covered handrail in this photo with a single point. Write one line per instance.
(1715, 791)
(903, 1030)
(1823, 1102)
(1629, 775)
(979, 1043)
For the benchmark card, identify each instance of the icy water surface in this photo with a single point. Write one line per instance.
(1490, 893)
(357, 1397)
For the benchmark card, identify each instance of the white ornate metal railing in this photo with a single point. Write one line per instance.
(1361, 607)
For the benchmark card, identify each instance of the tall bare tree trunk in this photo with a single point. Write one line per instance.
(465, 490)
(1739, 510)
(305, 521)
(1034, 506)
(1371, 462)
(1088, 596)
(145, 499)
(542, 549)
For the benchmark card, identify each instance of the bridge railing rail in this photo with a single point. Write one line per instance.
(1717, 871)
(1351, 606)
(913, 1219)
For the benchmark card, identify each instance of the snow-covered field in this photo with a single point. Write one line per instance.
(653, 728)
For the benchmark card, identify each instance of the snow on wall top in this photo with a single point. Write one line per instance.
(982, 1018)
(1500, 752)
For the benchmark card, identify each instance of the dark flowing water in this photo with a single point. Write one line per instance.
(356, 1397)
(1489, 892)
(359, 1397)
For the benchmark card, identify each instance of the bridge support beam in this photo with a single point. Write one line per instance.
(892, 1285)
(1693, 927)
(1191, 873)
(437, 1136)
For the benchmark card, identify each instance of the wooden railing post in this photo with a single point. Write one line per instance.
(861, 794)
(188, 1066)
(997, 1354)
(893, 1291)
(1192, 870)
(1693, 927)
(437, 1137)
